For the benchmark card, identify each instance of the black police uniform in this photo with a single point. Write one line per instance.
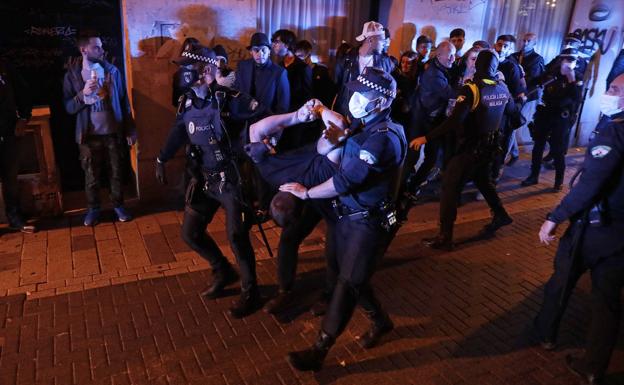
(365, 182)
(475, 124)
(552, 122)
(601, 251)
(216, 180)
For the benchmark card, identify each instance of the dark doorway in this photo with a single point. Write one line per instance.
(38, 37)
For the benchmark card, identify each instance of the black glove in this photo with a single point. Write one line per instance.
(161, 175)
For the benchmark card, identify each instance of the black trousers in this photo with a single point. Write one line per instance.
(461, 168)
(359, 246)
(292, 237)
(8, 175)
(551, 128)
(201, 207)
(602, 253)
(97, 152)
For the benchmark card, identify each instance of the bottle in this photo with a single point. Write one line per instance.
(93, 97)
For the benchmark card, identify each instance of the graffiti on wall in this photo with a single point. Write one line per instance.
(594, 39)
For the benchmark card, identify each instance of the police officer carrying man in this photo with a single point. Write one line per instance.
(216, 181)
(593, 241)
(364, 189)
(555, 117)
(475, 120)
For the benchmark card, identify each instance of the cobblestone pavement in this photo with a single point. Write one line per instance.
(120, 304)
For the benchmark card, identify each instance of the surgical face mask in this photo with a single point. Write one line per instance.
(359, 105)
(609, 104)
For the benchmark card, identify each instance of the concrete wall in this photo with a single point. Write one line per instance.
(154, 31)
(408, 19)
(601, 23)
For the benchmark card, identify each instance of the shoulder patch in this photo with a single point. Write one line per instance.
(253, 104)
(367, 157)
(600, 151)
(188, 103)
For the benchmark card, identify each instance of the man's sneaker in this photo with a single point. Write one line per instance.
(92, 218)
(122, 214)
(18, 224)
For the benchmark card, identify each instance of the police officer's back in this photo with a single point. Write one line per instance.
(475, 120)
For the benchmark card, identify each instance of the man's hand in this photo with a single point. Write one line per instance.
(20, 127)
(296, 189)
(305, 113)
(161, 174)
(416, 143)
(547, 232)
(335, 134)
(90, 86)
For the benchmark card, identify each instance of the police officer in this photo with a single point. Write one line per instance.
(555, 117)
(595, 243)
(364, 189)
(216, 181)
(475, 120)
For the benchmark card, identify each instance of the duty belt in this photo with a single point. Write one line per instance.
(385, 211)
(214, 177)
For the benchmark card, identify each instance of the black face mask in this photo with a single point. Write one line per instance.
(189, 77)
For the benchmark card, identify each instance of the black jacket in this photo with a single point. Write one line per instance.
(14, 101)
(513, 76)
(272, 88)
(300, 81)
(533, 65)
(428, 106)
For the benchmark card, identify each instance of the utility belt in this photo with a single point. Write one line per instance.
(488, 144)
(217, 178)
(385, 212)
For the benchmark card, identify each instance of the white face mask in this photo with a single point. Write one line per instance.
(609, 104)
(358, 104)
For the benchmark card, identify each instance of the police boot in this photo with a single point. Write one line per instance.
(320, 306)
(500, 219)
(579, 368)
(558, 183)
(247, 303)
(442, 241)
(279, 303)
(312, 358)
(222, 277)
(381, 325)
(531, 180)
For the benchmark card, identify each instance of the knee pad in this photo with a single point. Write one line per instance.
(285, 208)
